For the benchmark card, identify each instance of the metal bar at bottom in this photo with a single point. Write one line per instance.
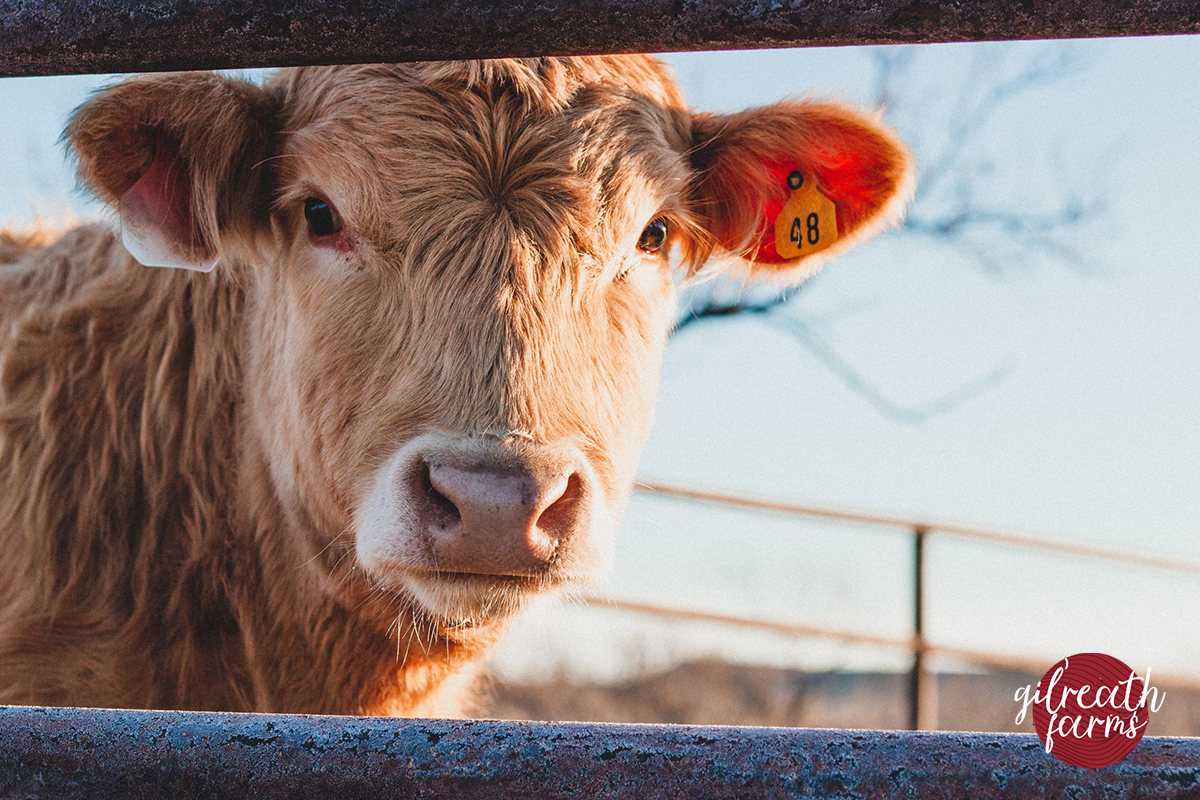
(57, 36)
(88, 753)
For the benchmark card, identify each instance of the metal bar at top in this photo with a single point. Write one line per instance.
(90, 753)
(45, 37)
(1176, 564)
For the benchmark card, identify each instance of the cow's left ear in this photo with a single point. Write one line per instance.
(181, 158)
(784, 186)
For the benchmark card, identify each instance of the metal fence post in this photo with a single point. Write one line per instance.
(922, 703)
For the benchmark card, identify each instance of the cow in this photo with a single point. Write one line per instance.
(391, 376)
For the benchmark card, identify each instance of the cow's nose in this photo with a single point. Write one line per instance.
(497, 517)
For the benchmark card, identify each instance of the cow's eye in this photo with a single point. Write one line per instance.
(653, 237)
(322, 219)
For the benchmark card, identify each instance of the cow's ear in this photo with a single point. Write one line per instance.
(784, 186)
(181, 158)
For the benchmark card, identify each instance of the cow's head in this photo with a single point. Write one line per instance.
(460, 282)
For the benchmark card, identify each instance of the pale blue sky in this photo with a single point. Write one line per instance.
(1093, 434)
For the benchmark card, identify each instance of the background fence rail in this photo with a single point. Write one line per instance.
(49, 37)
(922, 697)
(953, 529)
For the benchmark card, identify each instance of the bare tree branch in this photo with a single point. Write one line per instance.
(711, 309)
(952, 206)
(854, 380)
(947, 207)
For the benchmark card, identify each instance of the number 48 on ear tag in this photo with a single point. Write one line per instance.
(807, 223)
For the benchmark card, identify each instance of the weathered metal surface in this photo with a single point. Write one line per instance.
(68, 36)
(88, 753)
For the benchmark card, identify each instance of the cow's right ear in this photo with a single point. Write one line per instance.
(181, 157)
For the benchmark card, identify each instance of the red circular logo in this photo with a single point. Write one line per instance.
(1090, 710)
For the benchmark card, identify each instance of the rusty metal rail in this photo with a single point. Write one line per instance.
(46, 37)
(89, 753)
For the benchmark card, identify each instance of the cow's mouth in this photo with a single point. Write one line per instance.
(462, 599)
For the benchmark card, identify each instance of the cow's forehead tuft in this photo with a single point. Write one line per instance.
(543, 83)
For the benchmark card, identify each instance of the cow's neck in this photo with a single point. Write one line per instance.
(313, 636)
(320, 641)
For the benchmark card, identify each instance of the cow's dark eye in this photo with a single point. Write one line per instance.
(322, 220)
(653, 237)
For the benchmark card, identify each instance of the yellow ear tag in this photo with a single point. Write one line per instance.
(807, 223)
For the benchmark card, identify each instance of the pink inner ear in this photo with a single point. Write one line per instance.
(162, 199)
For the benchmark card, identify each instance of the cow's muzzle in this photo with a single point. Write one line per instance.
(454, 519)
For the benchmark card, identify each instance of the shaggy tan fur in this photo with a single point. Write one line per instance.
(182, 454)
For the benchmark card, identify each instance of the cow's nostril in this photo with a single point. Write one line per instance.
(559, 517)
(439, 509)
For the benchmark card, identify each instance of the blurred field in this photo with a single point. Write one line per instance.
(720, 693)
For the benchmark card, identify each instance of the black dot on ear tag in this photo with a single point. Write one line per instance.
(795, 180)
